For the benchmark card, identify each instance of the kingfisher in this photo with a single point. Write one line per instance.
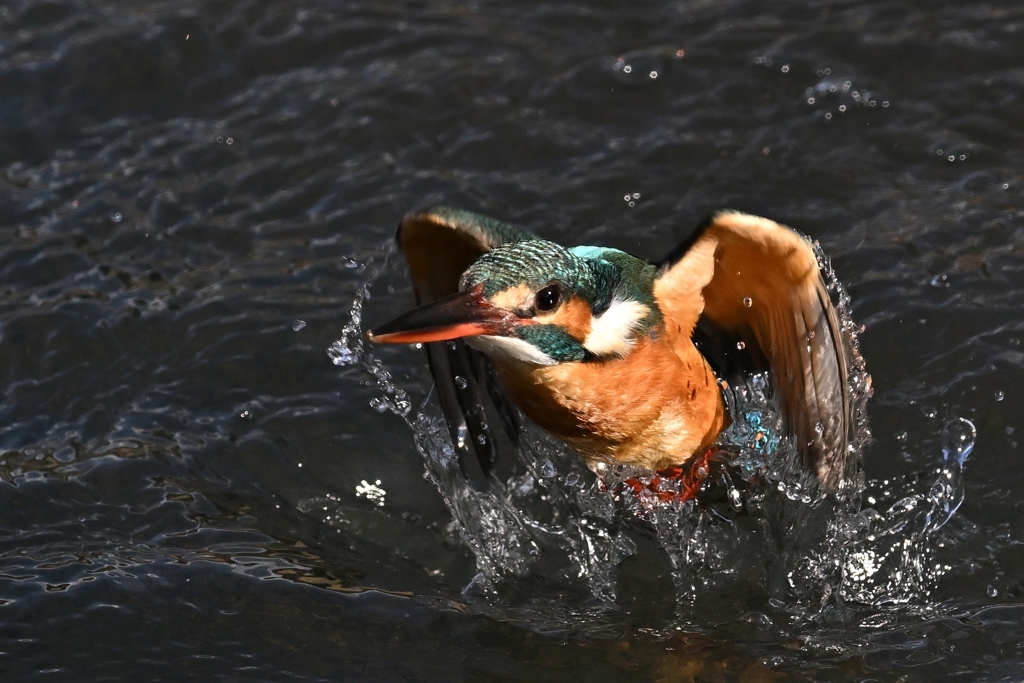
(622, 359)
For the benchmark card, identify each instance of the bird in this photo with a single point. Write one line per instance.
(623, 359)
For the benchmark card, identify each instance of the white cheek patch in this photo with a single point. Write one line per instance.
(510, 348)
(611, 333)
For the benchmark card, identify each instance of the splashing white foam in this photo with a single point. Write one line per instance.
(546, 514)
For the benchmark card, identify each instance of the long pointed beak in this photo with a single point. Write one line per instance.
(466, 314)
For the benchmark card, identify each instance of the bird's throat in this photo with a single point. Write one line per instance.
(655, 407)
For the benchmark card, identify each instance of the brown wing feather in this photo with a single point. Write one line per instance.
(761, 280)
(442, 242)
(439, 244)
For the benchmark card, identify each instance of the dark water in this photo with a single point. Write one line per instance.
(193, 194)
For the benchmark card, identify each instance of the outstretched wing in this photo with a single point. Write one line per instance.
(759, 282)
(439, 244)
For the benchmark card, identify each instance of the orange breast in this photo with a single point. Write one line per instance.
(656, 407)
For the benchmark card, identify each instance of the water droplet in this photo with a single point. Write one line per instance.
(380, 404)
(627, 197)
(572, 479)
(481, 439)
(463, 432)
(992, 591)
(244, 414)
(901, 436)
(1009, 431)
(748, 302)
(951, 157)
(828, 116)
(636, 195)
(372, 492)
(810, 100)
(116, 217)
(740, 345)
(1000, 396)
(638, 68)
(735, 499)
(230, 141)
(819, 428)
(958, 439)
(842, 107)
(298, 325)
(785, 68)
(632, 203)
(461, 382)
(452, 345)
(547, 469)
(341, 354)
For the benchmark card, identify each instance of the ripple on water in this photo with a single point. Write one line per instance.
(150, 271)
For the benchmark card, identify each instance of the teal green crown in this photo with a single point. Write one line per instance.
(537, 264)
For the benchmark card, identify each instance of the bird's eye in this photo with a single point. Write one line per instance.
(547, 299)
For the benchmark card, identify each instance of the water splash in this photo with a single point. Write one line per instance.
(349, 349)
(888, 555)
(546, 514)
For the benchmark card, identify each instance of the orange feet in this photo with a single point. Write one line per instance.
(708, 479)
(676, 484)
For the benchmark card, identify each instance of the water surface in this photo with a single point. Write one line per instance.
(195, 192)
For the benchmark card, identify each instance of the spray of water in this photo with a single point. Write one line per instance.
(546, 514)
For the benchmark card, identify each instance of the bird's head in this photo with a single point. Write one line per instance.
(538, 302)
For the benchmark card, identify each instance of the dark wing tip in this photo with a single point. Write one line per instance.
(815, 399)
(439, 243)
(830, 370)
